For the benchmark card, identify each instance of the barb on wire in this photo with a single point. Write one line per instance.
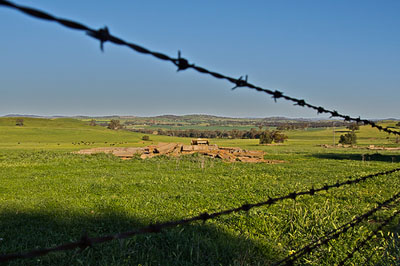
(289, 260)
(240, 82)
(182, 63)
(103, 35)
(158, 227)
(369, 237)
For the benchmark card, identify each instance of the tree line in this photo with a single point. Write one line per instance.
(265, 136)
(280, 125)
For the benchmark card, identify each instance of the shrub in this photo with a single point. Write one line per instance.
(92, 123)
(349, 138)
(145, 137)
(19, 122)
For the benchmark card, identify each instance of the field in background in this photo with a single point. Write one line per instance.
(49, 196)
(73, 134)
(203, 122)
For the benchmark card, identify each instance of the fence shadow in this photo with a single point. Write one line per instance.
(359, 157)
(199, 244)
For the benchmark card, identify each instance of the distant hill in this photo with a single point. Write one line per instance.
(195, 117)
(37, 116)
(18, 115)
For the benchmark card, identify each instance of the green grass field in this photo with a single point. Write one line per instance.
(49, 196)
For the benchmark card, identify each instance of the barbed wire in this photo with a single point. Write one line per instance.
(334, 234)
(369, 237)
(103, 35)
(85, 241)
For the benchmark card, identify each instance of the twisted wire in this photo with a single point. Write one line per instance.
(103, 35)
(334, 234)
(368, 238)
(85, 241)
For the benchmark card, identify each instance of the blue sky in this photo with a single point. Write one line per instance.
(343, 55)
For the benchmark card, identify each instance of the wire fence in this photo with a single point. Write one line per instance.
(85, 241)
(103, 36)
(334, 234)
(369, 237)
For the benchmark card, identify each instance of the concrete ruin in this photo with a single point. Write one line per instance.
(201, 146)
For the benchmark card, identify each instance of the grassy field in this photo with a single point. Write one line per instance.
(206, 122)
(49, 196)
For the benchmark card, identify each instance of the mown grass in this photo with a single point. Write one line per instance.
(49, 196)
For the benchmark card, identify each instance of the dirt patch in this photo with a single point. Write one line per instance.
(373, 147)
(123, 153)
(370, 147)
(228, 154)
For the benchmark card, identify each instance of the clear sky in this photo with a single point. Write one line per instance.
(343, 55)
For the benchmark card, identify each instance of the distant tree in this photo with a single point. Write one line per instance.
(92, 123)
(398, 124)
(279, 137)
(145, 137)
(266, 137)
(19, 122)
(235, 134)
(353, 127)
(114, 124)
(349, 138)
(254, 133)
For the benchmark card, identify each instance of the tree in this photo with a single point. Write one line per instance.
(349, 138)
(353, 127)
(19, 122)
(279, 137)
(398, 124)
(253, 133)
(114, 124)
(92, 123)
(145, 137)
(266, 137)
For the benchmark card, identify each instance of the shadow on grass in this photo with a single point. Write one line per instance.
(359, 157)
(198, 244)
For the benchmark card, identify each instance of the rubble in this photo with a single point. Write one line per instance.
(201, 146)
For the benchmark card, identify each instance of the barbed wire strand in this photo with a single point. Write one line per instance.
(368, 238)
(85, 241)
(103, 35)
(334, 234)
